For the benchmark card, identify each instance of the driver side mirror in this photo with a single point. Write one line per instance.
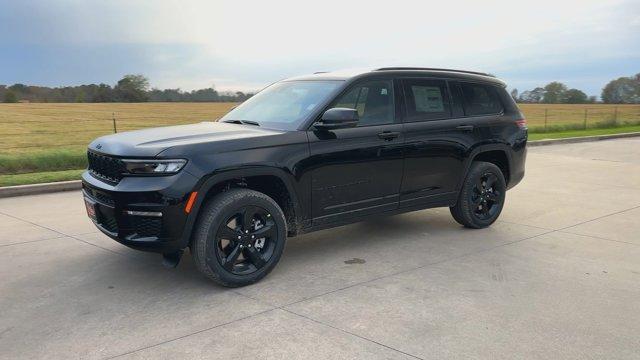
(337, 118)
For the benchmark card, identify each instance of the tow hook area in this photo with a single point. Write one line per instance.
(171, 260)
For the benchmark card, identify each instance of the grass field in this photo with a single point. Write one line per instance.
(562, 117)
(43, 139)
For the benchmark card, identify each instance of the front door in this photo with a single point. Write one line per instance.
(357, 171)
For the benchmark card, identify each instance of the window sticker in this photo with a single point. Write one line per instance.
(383, 91)
(428, 98)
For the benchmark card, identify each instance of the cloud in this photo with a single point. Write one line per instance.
(191, 44)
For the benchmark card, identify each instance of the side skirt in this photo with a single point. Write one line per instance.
(442, 202)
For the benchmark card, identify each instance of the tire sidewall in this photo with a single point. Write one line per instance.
(221, 208)
(477, 170)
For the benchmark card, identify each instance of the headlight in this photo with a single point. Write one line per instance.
(154, 167)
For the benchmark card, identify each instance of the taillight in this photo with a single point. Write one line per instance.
(522, 123)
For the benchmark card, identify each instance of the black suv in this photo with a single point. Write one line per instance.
(304, 154)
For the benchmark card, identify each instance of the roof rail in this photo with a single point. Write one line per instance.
(320, 72)
(433, 69)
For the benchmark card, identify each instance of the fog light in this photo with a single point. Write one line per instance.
(144, 213)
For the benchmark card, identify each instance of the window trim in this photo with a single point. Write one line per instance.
(349, 87)
(464, 108)
(405, 115)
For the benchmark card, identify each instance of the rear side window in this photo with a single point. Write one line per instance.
(480, 99)
(426, 99)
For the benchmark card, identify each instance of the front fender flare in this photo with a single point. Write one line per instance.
(217, 177)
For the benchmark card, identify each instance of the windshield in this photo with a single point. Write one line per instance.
(283, 105)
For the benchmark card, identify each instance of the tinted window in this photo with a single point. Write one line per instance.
(284, 105)
(426, 100)
(373, 100)
(480, 99)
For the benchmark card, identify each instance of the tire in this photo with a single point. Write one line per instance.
(223, 247)
(481, 197)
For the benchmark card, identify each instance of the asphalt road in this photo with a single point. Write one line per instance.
(558, 276)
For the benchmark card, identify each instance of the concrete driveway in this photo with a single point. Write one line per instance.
(558, 276)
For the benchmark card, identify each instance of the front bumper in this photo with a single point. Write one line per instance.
(144, 213)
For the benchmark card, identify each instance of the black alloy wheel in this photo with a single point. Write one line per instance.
(481, 197)
(246, 240)
(239, 237)
(486, 196)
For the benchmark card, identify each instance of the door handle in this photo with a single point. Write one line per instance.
(388, 135)
(464, 127)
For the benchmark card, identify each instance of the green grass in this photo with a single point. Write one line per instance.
(41, 161)
(588, 132)
(40, 177)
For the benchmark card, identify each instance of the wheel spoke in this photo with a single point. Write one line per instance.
(479, 186)
(265, 231)
(228, 233)
(231, 259)
(491, 181)
(256, 257)
(476, 201)
(493, 195)
(246, 216)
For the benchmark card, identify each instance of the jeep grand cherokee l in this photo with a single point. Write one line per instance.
(304, 154)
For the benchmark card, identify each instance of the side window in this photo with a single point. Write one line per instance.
(373, 100)
(480, 99)
(426, 99)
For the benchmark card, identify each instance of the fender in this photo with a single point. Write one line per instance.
(219, 176)
(480, 148)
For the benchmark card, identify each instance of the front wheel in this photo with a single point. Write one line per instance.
(482, 196)
(239, 237)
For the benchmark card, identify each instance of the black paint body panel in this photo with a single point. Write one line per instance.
(332, 177)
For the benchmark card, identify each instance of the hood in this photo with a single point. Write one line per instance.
(150, 142)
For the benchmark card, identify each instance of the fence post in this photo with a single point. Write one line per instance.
(615, 115)
(545, 120)
(585, 119)
(113, 117)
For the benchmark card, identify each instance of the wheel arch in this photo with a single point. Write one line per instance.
(272, 181)
(497, 154)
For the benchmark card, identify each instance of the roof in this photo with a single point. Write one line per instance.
(348, 74)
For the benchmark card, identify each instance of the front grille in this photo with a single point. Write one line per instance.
(100, 196)
(104, 198)
(105, 167)
(108, 222)
(146, 226)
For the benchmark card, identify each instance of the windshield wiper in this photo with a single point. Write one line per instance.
(244, 122)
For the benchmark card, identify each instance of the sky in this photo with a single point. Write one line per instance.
(245, 45)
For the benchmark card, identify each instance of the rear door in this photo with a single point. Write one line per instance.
(438, 138)
(357, 171)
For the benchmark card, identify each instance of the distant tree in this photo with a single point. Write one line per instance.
(532, 96)
(103, 93)
(592, 100)
(624, 90)
(575, 96)
(10, 97)
(19, 88)
(132, 88)
(80, 96)
(554, 93)
(514, 94)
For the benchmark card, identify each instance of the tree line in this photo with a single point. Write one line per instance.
(624, 90)
(135, 88)
(131, 88)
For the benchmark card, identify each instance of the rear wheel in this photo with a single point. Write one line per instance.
(239, 237)
(482, 196)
